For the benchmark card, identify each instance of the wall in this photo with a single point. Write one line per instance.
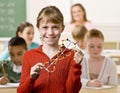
(105, 14)
(102, 11)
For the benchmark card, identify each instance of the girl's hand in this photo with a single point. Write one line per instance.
(78, 56)
(4, 80)
(94, 83)
(35, 70)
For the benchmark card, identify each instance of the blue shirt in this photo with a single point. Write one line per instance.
(5, 54)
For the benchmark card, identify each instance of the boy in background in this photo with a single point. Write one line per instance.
(10, 70)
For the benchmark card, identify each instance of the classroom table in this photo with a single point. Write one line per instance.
(109, 90)
(8, 90)
(83, 90)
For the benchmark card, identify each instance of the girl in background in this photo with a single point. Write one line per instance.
(97, 70)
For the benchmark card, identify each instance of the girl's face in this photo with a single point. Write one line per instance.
(27, 34)
(50, 33)
(77, 13)
(94, 46)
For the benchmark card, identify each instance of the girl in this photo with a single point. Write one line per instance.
(97, 70)
(50, 68)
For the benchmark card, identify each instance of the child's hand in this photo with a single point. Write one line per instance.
(94, 83)
(4, 80)
(35, 70)
(78, 56)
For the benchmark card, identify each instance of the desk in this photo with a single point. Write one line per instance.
(83, 90)
(8, 90)
(110, 90)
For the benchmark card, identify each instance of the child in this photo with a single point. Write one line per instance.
(97, 70)
(50, 68)
(10, 71)
(78, 34)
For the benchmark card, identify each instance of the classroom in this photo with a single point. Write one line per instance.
(104, 14)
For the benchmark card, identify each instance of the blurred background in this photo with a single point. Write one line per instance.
(104, 14)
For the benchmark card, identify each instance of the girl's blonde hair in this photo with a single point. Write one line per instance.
(94, 33)
(50, 14)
